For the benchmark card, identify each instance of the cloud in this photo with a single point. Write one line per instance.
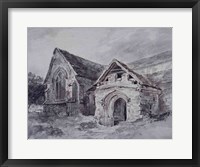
(97, 44)
(131, 44)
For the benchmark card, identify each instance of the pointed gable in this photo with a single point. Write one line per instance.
(117, 66)
(82, 67)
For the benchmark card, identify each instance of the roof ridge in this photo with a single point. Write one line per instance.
(62, 50)
(140, 77)
(81, 66)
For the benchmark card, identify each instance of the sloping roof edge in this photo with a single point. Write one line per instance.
(137, 76)
(80, 69)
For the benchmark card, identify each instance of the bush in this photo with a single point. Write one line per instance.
(35, 89)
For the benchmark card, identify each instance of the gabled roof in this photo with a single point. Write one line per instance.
(82, 67)
(136, 76)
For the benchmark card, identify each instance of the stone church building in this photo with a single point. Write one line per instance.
(112, 94)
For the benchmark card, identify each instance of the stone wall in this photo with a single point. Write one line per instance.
(60, 64)
(89, 103)
(163, 79)
(85, 84)
(160, 75)
(70, 105)
(105, 99)
(55, 109)
(149, 103)
(140, 100)
(65, 109)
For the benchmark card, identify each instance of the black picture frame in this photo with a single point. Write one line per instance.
(4, 69)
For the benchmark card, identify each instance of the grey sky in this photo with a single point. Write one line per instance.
(100, 45)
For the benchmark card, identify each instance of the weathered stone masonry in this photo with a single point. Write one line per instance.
(67, 80)
(138, 97)
(75, 85)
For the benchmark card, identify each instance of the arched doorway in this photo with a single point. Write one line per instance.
(119, 113)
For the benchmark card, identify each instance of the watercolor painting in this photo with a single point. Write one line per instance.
(100, 83)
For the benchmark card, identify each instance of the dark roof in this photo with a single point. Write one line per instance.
(83, 68)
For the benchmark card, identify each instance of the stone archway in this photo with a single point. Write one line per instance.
(119, 111)
(112, 103)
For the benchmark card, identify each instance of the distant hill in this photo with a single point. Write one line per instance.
(152, 60)
(158, 70)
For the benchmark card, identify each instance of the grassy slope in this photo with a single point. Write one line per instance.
(86, 127)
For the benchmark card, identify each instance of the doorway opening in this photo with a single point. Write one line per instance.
(119, 113)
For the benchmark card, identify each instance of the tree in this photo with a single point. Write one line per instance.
(35, 89)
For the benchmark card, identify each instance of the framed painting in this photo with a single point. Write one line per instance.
(104, 83)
